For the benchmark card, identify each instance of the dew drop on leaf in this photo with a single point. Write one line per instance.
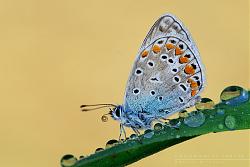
(221, 126)
(111, 143)
(68, 160)
(99, 149)
(230, 122)
(148, 133)
(205, 104)
(158, 127)
(233, 95)
(133, 136)
(195, 119)
(81, 156)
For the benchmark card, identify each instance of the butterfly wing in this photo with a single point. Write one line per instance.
(167, 75)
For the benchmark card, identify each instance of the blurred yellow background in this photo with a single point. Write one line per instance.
(59, 54)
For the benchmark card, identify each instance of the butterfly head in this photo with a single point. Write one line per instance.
(117, 113)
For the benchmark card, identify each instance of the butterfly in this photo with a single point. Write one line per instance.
(167, 77)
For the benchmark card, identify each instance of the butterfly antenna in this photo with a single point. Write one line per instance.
(95, 106)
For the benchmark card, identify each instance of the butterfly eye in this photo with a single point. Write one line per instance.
(118, 112)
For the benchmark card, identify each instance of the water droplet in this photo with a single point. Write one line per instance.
(99, 149)
(220, 126)
(174, 123)
(133, 136)
(158, 127)
(104, 118)
(81, 156)
(204, 104)
(220, 111)
(230, 122)
(177, 136)
(111, 143)
(195, 119)
(68, 160)
(148, 133)
(234, 95)
(183, 114)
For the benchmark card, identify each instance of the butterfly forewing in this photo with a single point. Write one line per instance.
(167, 75)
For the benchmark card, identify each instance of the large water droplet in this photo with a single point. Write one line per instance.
(204, 104)
(99, 149)
(111, 143)
(158, 127)
(148, 133)
(234, 95)
(68, 160)
(195, 119)
(183, 114)
(230, 122)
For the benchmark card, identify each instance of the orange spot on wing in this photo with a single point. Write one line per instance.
(183, 60)
(144, 54)
(156, 49)
(170, 46)
(194, 85)
(189, 69)
(193, 92)
(178, 51)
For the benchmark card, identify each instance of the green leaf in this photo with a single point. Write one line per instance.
(218, 119)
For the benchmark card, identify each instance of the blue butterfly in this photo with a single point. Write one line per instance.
(167, 77)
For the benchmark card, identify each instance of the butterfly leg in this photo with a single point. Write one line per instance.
(122, 130)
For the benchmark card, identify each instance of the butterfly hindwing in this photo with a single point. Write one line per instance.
(167, 75)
